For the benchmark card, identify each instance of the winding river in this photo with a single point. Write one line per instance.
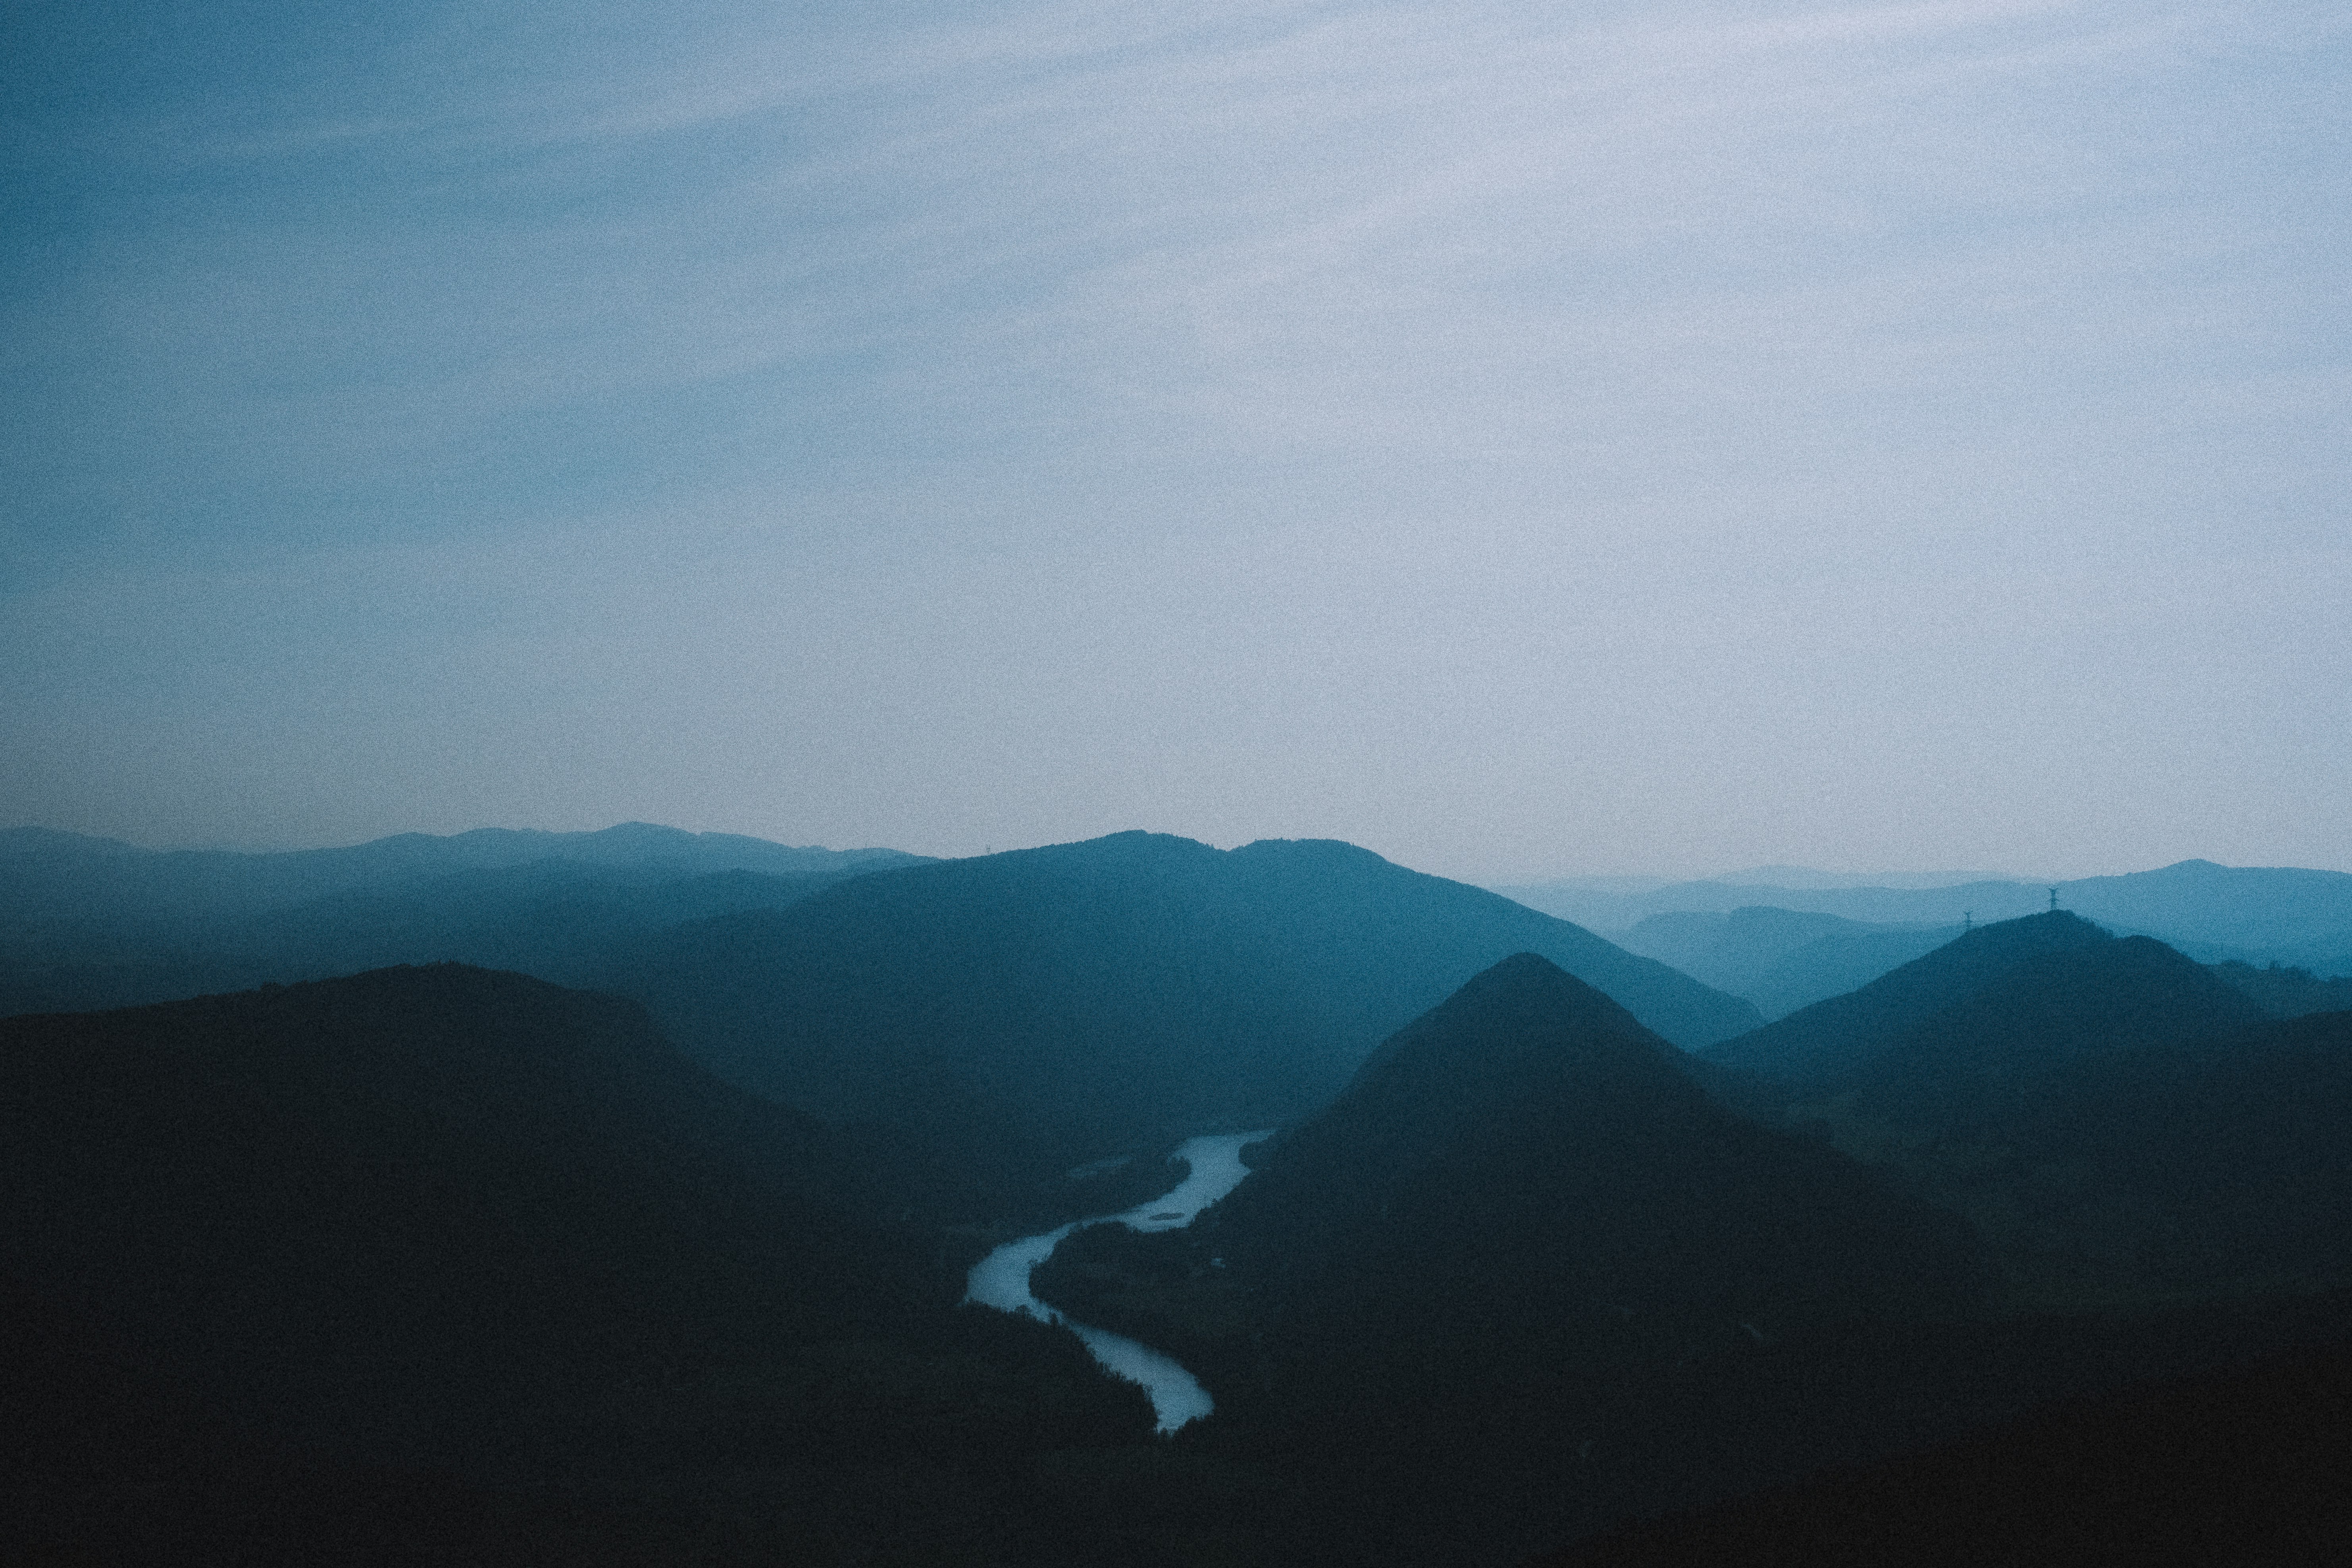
(1001, 1279)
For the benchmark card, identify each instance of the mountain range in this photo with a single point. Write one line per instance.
(1021, 1014)
(653, 1254)
(92, 922)
(1525, 1239)
(1534, 1271)
(1780, 960)
(2215, 912)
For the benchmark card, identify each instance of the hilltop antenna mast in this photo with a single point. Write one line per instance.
(1968, 919)
(2053, 901)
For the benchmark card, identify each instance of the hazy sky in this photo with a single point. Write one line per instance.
(1516, 438)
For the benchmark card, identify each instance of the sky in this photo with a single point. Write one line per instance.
(1523, 439)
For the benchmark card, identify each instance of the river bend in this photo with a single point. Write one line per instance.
(1001, 1279)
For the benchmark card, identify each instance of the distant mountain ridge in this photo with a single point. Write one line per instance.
(1780, 960)
(45, 874)
(1807, 876)
(88, 923)
(2289, 914)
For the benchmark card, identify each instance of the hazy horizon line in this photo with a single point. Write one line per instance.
(1913, 880)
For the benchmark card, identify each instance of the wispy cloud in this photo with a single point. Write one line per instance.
(1637, 337)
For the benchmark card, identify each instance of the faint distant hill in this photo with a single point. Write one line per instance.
(1035, 1010)
(1503, 1286)
(395, 1247)
(2287, 992)
(1807, 877)
(2290, 915)
(90, 922)
(2295, 916)
(47, 875)
(1883, 898)
(1780, 960)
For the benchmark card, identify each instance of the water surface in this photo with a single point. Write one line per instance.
(1001, 1279)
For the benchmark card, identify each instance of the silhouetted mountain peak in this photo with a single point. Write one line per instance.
(1830, 1037)
(1524, 1015)
(2032, 933)
(2056, 1007)
(1528, 1135)
(1523, 1074)
(1321, 852)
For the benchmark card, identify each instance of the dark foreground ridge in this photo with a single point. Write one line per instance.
(443, 1265)
(2240, 1467)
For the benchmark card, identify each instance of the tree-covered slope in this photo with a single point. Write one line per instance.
(1037, 1009)
(468, 1224)
(1820, 1043)
(1524, 1275)
(2123, 1123)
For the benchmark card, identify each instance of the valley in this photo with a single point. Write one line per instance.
(1212, 1167)
(772, 1210)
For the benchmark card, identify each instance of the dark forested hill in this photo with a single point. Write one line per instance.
(1523, 1278)
(1520, 1276)
(1530, 1113)
(1026, 1012)
(2171, 1160)
(2123, 1123)
(2287, 992)
(1983, 1057)
(1819, 1043)
(381, 1152)
(485, 1233)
